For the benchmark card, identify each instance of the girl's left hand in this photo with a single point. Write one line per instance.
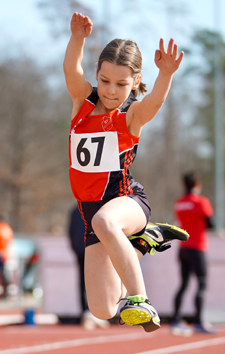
(167, 61)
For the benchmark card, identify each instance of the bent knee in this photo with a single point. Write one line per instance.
(103, 313)
(101, 224)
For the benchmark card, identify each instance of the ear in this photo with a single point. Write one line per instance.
(137, 81)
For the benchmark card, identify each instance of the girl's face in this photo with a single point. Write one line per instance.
(115, 83)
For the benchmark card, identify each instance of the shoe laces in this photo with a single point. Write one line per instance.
(131, 302)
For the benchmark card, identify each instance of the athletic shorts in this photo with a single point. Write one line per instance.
(89, 209)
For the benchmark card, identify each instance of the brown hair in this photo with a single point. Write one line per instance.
(127, 53)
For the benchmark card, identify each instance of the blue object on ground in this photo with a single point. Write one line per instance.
(29, 317)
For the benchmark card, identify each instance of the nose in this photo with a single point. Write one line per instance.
(111, 89)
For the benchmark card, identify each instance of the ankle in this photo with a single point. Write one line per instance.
(141, 245)
(137, 298)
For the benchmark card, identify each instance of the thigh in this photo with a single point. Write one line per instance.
(103, 285)
(199, 264)
(126, 213)
(185, 265)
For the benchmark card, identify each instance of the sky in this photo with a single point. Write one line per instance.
(24, 30)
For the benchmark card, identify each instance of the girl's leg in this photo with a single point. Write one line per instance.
(114, 259)
(103, 285)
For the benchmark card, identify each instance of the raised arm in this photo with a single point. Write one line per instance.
(78, 87)
(168, 63)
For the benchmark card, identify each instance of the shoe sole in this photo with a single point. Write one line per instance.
(180, 233)
(136, 317)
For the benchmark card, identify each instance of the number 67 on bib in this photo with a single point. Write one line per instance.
(95, 152)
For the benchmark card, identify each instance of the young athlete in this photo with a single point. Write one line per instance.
(105, 130)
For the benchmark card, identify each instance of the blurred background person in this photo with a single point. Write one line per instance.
(6, 238)
(194, 213)
(76, 233)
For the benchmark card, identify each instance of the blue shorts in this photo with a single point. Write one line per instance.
(89, 209)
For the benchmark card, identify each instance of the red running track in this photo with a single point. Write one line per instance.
(68, 339)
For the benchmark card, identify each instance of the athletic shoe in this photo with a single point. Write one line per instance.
(158, 236)
(181, 329)
(139, 312)
(204, 328)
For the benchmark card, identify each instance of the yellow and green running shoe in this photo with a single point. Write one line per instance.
(138, 311)
(157, 236)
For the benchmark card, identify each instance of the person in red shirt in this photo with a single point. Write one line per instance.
(194, 214)
(6, 237)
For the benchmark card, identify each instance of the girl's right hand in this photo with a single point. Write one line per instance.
(81, 26)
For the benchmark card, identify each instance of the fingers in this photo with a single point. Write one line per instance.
(167, 61)
(179, 59)
(78, 17)
(170, 47)
(175, 52)
(157, 55)
(81, 19)
(161, 46)
(172, 50)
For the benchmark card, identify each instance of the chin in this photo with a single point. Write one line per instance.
(111, 106)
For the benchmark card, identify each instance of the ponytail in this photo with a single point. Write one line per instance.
(141, 89)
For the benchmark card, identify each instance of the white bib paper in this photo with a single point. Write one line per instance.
(95, 152)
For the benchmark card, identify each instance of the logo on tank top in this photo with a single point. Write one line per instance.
(107, 123)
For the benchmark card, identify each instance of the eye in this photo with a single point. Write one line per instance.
(105, 81)
(121, 84)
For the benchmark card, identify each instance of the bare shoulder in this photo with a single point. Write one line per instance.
(79, 100)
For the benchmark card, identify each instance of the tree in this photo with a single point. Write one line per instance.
(204, 119)
(33, 157)
(183, 138)
(58, 15)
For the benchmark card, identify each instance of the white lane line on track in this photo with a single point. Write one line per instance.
(182, 347)
(74, 343)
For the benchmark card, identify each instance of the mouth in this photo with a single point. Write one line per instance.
(110, 99)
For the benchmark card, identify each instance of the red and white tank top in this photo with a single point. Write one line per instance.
(101, 149)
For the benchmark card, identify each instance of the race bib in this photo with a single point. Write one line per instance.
(95, 152)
